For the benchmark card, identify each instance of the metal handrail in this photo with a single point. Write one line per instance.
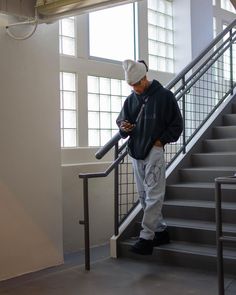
(220, 237)
(181, 92)
(85, 222)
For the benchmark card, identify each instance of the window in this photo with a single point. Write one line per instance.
(105, 100)
(112, 33)
(68, 109)
(67, 36)
(160, 36)
(227, 5)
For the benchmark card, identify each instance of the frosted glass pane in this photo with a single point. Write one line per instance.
(170, 51)
(161, 50)
(161, 64)
(161, 36)
(152, 62)
(105, 136)
(93, 136)
(68, 81)
(106, 39)
(105, 86)
(93, 102)
(113, 121)
(105, 103)
(93, 84)
(69, 119)
(161, 20)
(152, 32)
(116, 104)
(152, 47)
(61, 101)
(169, 37)
(105, 120)
(93, 120)
(69, 138)
(169, 8)
(115, 87)
(161, 6)
(170, 66)
(68, 46)
(68, 27)
(69, 100)
(169, 24)
(125, 88)
(152, 17)
(152, 4)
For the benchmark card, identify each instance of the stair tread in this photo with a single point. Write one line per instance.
(210, 168)
(210, 185)
(199, 224)
(217, 153)
(220, 139)
(193, 248)
(200, 203)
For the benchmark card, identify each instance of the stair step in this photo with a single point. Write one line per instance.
(229, 119)
(199, 191)
(185, 254)
(196, 231)
(205, 174)
(219, 145)
(214, 159)
(224, 132)
(198, 210)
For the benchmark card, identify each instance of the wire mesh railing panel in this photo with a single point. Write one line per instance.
(127, 189)
(197, 98)
(213, 85)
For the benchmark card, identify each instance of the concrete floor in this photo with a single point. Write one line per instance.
(115, 277)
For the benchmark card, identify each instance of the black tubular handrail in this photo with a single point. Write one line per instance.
(186, 86)
(220, 237)
(108, 146)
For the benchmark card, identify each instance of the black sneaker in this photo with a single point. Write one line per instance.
(161, 238)
(142, 247)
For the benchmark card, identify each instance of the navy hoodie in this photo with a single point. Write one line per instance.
(160, 119)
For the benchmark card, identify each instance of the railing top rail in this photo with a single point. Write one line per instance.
(103, 150)
(200, 56)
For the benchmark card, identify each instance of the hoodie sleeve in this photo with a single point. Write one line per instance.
(124, 115)
(173, 121)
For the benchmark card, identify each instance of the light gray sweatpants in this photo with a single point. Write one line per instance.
(150, 180)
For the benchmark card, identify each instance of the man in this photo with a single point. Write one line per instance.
(151, 118)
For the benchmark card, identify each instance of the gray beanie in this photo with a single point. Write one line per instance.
(134, 71)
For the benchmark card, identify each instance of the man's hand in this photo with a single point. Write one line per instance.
(127, 126)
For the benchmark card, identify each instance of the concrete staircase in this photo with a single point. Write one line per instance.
(189, 207)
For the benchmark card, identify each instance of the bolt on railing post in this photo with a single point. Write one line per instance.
(231, 63)
(220, 266)
(85, 222)
(183, 108)
(116, 194)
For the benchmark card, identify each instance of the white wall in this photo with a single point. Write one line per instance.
(193, 25)
(101, 206)
(30, 171)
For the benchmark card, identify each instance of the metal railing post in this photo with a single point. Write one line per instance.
(219, 246)
(85, 222)
(231, 63)
(116, 194)
(183, 108)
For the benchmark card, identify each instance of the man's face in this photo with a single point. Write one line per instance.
(139, 87)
